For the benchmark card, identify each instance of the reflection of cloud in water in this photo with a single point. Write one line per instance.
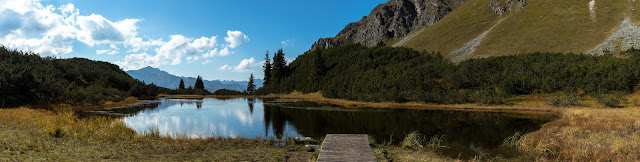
(228, 118)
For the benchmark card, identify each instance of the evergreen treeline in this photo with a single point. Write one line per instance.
(228, 92)
(27, 78)
(401, 74)
(197, 89)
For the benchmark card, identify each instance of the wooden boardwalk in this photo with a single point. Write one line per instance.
(346, 147)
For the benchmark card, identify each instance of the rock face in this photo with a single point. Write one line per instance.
(627, 37)
(502, 6)
(390, 20)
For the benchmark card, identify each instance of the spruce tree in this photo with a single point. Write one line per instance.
(181, 86)
(199, 84)
(250, 86)
(318, 70)
(267, 69)
(279, 67)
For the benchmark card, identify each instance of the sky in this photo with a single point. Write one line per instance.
(216, 39)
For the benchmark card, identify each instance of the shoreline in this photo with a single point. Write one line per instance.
(317, 97)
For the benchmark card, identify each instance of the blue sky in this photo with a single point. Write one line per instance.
(216, 39)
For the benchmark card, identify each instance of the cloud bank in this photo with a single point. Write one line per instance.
(49, 30)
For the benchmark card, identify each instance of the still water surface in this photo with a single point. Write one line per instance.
(466, 133)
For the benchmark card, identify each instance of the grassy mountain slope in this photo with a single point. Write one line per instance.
(542, 25)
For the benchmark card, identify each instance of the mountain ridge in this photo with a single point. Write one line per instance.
(469, 29)
(164, 79)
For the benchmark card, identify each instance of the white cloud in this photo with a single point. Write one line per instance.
(95, 29)
(224, 67)
(235, 38)
(137, 61)
(108, 52)
(288, 42)
(244, 66)
(224, 52)
(29, 25)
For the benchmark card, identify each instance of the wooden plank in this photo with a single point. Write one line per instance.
(346, 147)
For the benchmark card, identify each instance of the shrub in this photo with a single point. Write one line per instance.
(228, 92)
(612, 100)
(573, 99)
(57, 133)
(491, 96)
(412, 141)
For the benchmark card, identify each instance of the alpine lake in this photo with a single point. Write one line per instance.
(461, 134)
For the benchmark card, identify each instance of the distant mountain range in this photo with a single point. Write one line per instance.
(164, 79)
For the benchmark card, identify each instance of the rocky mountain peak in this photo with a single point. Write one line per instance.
(391, 20)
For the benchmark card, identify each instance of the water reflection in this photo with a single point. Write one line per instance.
(465, 132)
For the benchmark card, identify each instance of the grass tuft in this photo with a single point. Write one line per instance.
(412, 141)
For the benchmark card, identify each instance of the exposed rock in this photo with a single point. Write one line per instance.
(465, 51)
(390, 20)
(501, 6)
(627, 37)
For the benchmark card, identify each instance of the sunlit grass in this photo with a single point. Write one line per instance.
(37, 134)
(587, 134)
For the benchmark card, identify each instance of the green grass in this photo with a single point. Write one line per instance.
(553, 26)
(465, 23)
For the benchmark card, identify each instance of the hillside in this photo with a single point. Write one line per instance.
(478, 30)
(27, 78)
(164, 79)
(400, 74)
(482, 28)
(390, 20)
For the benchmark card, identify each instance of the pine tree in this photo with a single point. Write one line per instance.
(250, 86)
(181, 86)
(317, 71)
(279, 67)
(267, 69)
(199, 84)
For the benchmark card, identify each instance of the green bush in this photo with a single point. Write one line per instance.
(228, 92)
(611, 100)
(57, 133)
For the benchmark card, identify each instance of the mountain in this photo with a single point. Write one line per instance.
(390, 20)
(164, 79)
(460, 30)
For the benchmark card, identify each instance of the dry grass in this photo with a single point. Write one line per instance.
(588, 134)
(396, 153)
(64, 107)
(42, 135)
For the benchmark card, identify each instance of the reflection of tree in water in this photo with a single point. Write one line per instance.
(276, 117)
(460, 128)
(197, 102)
(250, 102)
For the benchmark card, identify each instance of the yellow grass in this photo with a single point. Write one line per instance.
(64, 107)
(588, 134)
(30, 135)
